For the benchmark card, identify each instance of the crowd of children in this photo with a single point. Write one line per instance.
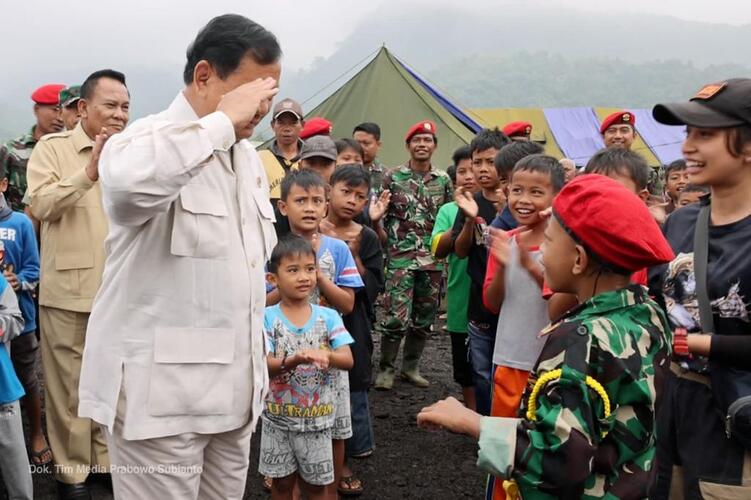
(573, 379)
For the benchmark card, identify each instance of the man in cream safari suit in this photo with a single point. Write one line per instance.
(174, 367)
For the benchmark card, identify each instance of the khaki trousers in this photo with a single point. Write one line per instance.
(76, 443)
(185, 466)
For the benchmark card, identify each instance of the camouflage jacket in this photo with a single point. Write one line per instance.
(14, 155)
(570, 449)
(415, 200)
(376, 172)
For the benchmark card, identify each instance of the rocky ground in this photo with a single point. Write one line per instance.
(408, 463)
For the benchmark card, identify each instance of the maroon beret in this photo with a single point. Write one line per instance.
(514, 129)
(316, 126)
(423, 127)
(626, 117)
(48, 94)
(592, 208)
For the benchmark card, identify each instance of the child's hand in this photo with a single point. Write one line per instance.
(379, 206)
(451, 415)
(315, 242)
(12, 280)
(353, 242)
(466, 203)
(327, 228)
(499, 246)
(500, 202)
(320, 358)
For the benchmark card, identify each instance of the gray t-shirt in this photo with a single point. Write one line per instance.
(524, 314)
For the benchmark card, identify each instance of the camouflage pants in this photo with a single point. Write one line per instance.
(410, 301)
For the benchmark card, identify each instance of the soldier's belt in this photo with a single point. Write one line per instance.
(688, 375)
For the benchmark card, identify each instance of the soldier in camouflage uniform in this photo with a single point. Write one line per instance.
(413, 278)
(69, 98)
(587, 426)
(15, 153)
(368, 134)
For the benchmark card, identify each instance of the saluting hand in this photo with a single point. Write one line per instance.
(242, 104)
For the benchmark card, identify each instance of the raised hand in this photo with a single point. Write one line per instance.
(500, 247)
(466, 202)
(241, 104)
(379, 206)
(92, 169)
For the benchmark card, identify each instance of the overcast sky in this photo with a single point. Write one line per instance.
(48, 32)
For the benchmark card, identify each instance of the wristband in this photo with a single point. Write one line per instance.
(680, 342)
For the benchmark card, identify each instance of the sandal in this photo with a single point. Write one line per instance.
(350, 486)
(36, 457)
(267, 483)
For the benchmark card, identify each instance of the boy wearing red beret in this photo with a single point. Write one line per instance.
(587, 424)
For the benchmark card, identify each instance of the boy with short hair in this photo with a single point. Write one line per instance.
(691, 194)
(476, 210)
(587, 428)
(513, 283)
(304, 202)
(21, 269)
(676, 179)
(505, 160)
(458, 280)
(350, 187)
(305, 341)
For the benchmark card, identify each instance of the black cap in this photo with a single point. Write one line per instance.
(717, 105)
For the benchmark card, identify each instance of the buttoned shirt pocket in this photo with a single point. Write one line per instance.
(191, 372)
(200, 224)
(68, 265)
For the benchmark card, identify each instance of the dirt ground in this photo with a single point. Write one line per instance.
(408, 462)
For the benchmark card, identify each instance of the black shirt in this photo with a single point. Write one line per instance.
(477, 259)
(728, 281)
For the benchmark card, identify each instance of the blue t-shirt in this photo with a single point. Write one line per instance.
(21, 252)
(10, 387)
(336, 263)
(504, 220)
(303, 399)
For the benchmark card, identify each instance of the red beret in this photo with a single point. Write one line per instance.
(618, 117)
(517, 128)
(316, 126)
(48, 94)
(423, 127)
(612, 223)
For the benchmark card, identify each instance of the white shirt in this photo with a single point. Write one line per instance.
(177, 325)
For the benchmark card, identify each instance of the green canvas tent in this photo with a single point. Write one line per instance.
(541, 133)
(388, 93)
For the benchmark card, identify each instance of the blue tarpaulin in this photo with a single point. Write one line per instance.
(664, 141)
(576, 130)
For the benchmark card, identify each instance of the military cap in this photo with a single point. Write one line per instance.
(423, 127)
(591, 209)
(316, 126)
(515, 129)
(625, 117)
(69, 95)
(717, 105)
(319, 145)
(48, 94)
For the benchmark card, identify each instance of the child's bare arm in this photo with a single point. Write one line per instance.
(341, 358)
(340, 298)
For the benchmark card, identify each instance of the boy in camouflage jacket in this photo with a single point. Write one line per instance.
(587, 423)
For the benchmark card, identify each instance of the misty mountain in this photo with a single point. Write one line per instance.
(513, 55)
